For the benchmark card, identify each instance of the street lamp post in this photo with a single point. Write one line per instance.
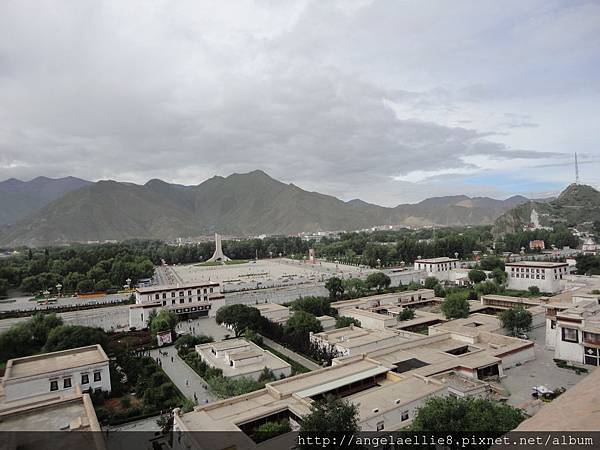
(58, 289)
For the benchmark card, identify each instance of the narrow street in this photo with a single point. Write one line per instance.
(290, 354)
(182, 375)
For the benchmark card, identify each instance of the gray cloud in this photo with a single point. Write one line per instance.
(309, 91)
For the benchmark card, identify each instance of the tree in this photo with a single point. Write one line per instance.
(41, 325)
(165, 320)
(430, 282)
(379, 281)
(440, 414)
(355, 287)
(103, 285)
(85, 286)
(406, 314)
(344, 321)
(335, 286)
(455, 306)
(534, 290)
(269, 430)
(332, 416)
(239, 317)
(318, 306)
(302, 322)
(477, 276)
(64, 337)
(498, 275)
(516, 320)
(17, 341)
(3, 287)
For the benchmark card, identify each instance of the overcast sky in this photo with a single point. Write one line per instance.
(386, 100)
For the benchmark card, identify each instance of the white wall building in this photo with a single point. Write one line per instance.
(573, 331)
(241, 358)
(547, 276)
(441, 268)
(191, 300)
(353, 340)
(57, 373)
(273, 312)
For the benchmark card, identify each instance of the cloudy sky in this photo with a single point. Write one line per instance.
(386, 100)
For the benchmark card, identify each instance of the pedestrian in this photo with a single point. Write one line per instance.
(171, 359)
(187, 382)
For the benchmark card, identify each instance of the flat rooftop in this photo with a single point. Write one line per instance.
(471, 325)
(544, 264)
(354, 336)
(55, 361)
(54, 413)
(270, 307)
(442, 259)
(174, 287)
(239, 350)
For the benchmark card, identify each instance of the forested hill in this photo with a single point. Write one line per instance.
(577, 206)
(240, 204)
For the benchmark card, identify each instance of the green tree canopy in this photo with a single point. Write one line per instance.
(516, 320)
(239, 317)
(355, 287)
(378, 280)
(477, 276)
(165, 320)
(41, 325)
(440, 414)
(73, 336)
(335, 286)
(344, 321)
(330, 416)
(302, 322)
(318, 306)
(406, 314)
(455, 306)
(430, 282)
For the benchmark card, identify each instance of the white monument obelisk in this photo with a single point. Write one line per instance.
(218, 255)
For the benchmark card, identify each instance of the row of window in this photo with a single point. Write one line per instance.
(519, 275)
(182, 300)
(404, 415)
(526, 270)
(67, 383)
(182, 293)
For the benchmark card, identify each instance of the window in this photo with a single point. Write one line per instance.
(54, 385)
(553, 324)
(67, 383)
(164, 303)
(181, 293)
(380, 425)
(404, 416)
(189, 292)
(211, 289)
(181, 300)
(85, 378)
(172, 294)
(157, 296)
(570, 335)
(199, 291)
(97, 376)
(164, 295)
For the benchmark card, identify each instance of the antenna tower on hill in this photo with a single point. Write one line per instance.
(576, 170)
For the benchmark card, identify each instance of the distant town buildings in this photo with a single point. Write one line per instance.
(537, 244)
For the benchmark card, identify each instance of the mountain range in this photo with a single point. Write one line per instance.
(73, 210)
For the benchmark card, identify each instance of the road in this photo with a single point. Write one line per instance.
(188, 381)
(290, 354)
(26, 304)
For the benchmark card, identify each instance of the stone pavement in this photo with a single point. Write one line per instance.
(182, 375)
(290, 354)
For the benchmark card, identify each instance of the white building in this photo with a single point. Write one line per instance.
(273, 312)
(188, 301)
(573, 331)
(63, 372)
(239, 358)
(327, 322)
(441, 268)
(547, 276)
(353, 340)
(369, 319)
